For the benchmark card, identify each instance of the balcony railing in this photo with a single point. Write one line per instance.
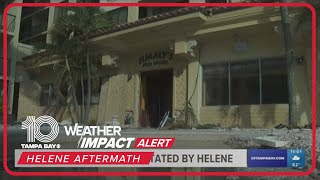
(10, 22)
(35, 30)
(153, 11)
(1, 66)
(29, 11)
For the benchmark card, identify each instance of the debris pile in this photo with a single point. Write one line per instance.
(285, 138)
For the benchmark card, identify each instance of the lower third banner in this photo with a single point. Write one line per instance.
(131, 158)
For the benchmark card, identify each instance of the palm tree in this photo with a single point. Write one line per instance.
(304, 25)
(305, 16)
(65, 49)
(289, 58)
(70, 41)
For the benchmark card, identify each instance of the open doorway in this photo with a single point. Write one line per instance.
(156, 97)
(15, 101)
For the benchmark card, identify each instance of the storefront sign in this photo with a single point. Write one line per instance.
(155, 58)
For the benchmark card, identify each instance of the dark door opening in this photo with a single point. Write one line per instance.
(15, 100)
(156, 97)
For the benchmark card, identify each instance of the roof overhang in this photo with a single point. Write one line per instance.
(242, 18)
(140, 37)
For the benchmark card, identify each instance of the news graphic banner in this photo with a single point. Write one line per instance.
(276, 158)
(132, 158)
(104, 146)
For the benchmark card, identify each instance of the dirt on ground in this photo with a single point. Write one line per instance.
(297, 138)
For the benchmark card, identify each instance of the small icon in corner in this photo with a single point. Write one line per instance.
(296, 158)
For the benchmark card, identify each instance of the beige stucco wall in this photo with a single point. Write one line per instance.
(266, 43)
(117, 96)
(122, 91)
(247, 116)
(29, 100)
(29, 104)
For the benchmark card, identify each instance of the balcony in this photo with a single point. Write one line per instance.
(10, 23)
(153, 11)
(28, 12)
(1, 68)
(116, 17)
(34, 31)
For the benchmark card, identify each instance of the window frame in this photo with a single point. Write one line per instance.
(204, 84)
(259, 59)
(114, 15)
(52, 97)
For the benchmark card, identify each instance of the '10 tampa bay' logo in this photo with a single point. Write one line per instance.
(33, 128)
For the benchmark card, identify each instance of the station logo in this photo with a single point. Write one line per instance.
(33, 127)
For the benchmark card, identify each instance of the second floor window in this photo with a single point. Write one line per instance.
(153, 11)
(49, 96)
(118, 16)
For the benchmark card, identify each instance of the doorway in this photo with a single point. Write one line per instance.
(156, 97)
(15, 101)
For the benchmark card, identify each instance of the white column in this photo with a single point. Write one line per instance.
(194, 86)
(13, 55)
(133, 14)
(51, 17)
(137, 85)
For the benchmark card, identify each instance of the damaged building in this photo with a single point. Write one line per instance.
(225, 64)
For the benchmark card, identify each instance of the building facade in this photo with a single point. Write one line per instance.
(229, 66)
(225, 66)
(11, 43)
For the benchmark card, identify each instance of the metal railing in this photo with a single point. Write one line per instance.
(29, 11)
(1, 66)
(10, 22)
(35, 30)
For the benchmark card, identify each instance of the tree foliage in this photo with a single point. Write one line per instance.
(70, 42)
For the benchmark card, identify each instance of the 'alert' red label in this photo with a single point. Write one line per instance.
(154, 142)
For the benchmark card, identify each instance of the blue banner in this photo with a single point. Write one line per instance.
(267, 158)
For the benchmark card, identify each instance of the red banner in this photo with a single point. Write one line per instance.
(46, 158)
(154, 142)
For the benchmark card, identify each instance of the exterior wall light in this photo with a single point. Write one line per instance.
(171, 46)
